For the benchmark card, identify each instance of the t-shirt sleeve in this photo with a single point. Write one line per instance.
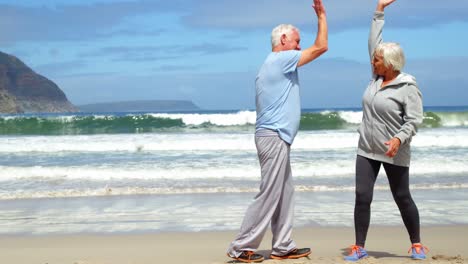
(290, 59)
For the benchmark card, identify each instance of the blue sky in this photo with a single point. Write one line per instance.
(209, 51)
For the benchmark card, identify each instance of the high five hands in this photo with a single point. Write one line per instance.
(319, 7)
(382, 4)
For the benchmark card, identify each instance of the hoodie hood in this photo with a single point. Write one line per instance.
(404, 78)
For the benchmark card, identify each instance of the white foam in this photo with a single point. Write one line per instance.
(305, 140)
(109, 190)
(245, 118)
(161, 142)
(232, 119)
(193, 213)
(324, 140)
(351, 117)
(126, 142)
(223, 167)
(448, 119)
(454, 119)
(112, 172)
(441, 138)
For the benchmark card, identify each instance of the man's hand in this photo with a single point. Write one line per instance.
(382, 4)
(319, 7)
(393, 147)
(321, 41)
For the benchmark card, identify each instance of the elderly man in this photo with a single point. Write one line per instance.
(278, 117)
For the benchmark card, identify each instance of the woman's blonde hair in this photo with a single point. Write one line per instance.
(392, 54)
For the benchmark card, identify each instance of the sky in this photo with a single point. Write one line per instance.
(209, 51)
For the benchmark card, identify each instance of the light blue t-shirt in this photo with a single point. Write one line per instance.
(277, 94)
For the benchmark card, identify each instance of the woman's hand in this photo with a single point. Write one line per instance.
(393, 147)
(382, 4)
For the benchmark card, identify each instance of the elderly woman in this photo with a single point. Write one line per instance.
(392, 109)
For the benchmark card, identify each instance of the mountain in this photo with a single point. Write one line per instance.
(24, 91)
(141, 106)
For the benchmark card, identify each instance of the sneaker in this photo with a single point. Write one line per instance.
(418, 251)
(248, 257)
(294, 254)
(356, 253)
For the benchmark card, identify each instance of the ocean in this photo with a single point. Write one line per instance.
(198, 171)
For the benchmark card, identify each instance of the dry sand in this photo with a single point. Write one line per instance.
(447, 244)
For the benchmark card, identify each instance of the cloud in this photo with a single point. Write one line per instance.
(210, 49)
(102, 20)
(341, 15)
(76, 22)
(130, 33)
(177, 68)
(443, 81)
(54, 52)
(55, 69)
(160, 53)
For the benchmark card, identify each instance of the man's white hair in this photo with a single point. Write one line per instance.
(279, 31)
(392, 54)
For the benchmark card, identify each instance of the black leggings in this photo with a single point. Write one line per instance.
(398, 177)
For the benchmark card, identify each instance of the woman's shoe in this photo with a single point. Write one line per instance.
(418, 251)
(356, 253)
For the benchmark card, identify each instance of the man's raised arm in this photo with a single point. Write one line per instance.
(321, 41)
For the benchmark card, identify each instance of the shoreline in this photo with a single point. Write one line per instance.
(385, 244)
(155, 214)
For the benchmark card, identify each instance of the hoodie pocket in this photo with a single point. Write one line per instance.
(380, 135)
(373, 137)
(365, 137)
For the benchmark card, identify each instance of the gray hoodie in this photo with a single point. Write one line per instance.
(394, 110)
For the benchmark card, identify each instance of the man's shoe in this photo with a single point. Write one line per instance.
(356, 253)
(248, 257)
(294, 254)
(418, 251)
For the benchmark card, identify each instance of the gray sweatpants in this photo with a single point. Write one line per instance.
(274, 203)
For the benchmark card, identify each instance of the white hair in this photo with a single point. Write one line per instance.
(392, 54)
(279, 31)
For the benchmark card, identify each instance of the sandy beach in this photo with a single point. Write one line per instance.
(447, 244)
